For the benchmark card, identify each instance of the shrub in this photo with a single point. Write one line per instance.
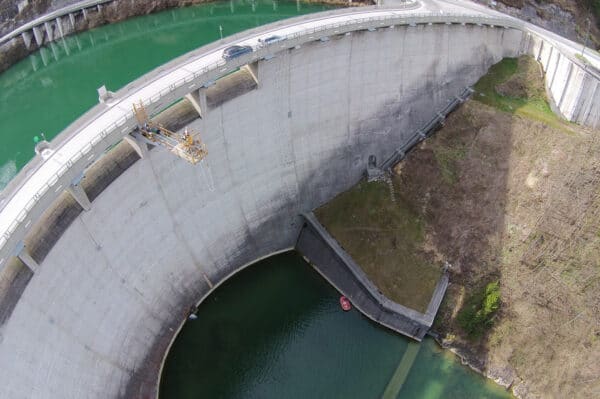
(477, 315)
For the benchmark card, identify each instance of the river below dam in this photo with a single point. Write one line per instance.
(274, 330)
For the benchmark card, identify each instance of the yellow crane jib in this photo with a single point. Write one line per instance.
(187, 145)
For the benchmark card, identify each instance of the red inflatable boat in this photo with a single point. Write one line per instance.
(345, 303)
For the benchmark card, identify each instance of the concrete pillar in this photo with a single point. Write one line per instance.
(138, 145)
(49, 33)
(25, 257)
(84, 12)
(539, 56)
(198, 100)
(72, 19)
(34, 62)
(39, 36)
(26, 39)
(253, 69)
(54, 52)
(60, 28)
(66, 47)
(44, 55)
(591, 105)
(79, 194)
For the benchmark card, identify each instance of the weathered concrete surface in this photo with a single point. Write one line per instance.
(123, 274)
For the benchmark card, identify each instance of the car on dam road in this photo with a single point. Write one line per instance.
(235, 51)
(270, 40)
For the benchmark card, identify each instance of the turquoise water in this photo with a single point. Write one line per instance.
(37, 98)
(276, 330)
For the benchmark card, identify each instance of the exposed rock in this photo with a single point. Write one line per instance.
(565, 22)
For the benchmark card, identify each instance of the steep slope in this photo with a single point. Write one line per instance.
(511, 197)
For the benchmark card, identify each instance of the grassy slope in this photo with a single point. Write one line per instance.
(386, 239)
(506, 192)
(533, 106)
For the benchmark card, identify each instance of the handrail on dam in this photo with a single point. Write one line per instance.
(89, 137)
(425, 131)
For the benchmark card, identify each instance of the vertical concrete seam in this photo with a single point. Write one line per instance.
(549, 56)
(174, 224)
(43, 314)
(576, 105)
(558, 57)
(349, 96)
(234, 185)
(290, 119)
(135, 293)
(591, 103)
(564, 90)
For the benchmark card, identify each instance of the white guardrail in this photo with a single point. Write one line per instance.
(13, 232)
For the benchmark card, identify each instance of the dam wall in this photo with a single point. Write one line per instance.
(95, 318)
(138, 237)
(572, 87)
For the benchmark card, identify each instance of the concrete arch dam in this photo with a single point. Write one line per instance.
(104, 252)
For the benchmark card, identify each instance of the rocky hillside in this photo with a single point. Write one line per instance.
(574, 19)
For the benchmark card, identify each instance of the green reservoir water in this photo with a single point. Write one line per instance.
(276, 330)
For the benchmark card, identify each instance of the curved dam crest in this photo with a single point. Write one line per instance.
(110, 292)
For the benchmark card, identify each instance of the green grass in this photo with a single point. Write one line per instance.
(477, 315)
(385, 238)
(535, 107)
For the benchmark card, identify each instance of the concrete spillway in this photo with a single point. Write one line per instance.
(104, 296)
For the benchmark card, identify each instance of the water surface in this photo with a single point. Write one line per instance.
(276, 330)
(48, 90)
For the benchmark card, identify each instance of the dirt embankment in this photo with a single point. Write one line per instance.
(573, 19)
(511, 194)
